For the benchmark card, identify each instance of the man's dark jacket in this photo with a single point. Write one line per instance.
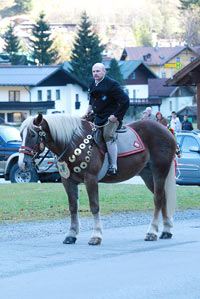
(187, 125)
(107, 98)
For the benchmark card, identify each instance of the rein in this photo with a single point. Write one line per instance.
(97, 127)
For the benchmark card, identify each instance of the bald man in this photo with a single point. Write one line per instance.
(109, 103)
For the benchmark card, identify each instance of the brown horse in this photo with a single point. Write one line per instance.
(80, 161)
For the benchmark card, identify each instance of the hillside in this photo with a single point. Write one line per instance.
(118, 23)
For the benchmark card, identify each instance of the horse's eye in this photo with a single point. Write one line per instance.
(32, 134)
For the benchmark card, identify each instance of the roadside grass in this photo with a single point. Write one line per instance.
(30, 202)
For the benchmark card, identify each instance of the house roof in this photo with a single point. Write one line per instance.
(158, 55)
(129, 66)
(157, 88)
(31, 75)
(189, 110)
(189, 75)
(126, 66)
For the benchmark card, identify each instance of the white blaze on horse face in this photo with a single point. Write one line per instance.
(21, 155)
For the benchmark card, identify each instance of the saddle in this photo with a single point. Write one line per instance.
(128, 141)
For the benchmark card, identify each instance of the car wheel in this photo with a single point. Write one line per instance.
(19, 176)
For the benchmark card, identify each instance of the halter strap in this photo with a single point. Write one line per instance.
(27, 150)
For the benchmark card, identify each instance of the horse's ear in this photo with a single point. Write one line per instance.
(37, 120)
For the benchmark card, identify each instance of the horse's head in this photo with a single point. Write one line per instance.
(33, 141)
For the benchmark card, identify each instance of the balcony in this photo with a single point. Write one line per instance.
(20, 106)
(146, 102)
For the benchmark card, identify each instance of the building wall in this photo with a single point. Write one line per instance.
(141, 91)
(174, 104)
(185, 58)
(4, 93)
(68, 96)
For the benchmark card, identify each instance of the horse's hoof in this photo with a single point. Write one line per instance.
(150, 237)
(95, 241)
(69, 240)
(165, 235)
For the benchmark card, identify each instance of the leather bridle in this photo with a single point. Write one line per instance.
(38, 148)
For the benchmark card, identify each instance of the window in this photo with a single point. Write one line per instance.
(188, 141)
(127, 91)
(39, 95)
(170, 105)
(2, 118)
(178, 59)
(191, 59)
(49, 94)
(57, 94)
(134, 75)
(163, 74)
(15, 117)
(14, 95)
(10, 117)
(178, 139)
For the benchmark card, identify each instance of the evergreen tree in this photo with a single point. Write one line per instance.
(185, 4)
(23, 6)
(114, 72)
(12, 45)
(86, 50)
(43, 52)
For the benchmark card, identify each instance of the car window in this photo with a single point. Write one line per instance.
(188, 141)
(178, 139)
(10, 134)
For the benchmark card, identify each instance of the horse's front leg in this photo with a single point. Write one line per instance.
(72, 192)
(93, 194)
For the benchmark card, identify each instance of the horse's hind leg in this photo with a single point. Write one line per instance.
(164, 200)
(147, 176)
(168, 211)
(92, 190)
(72, 192)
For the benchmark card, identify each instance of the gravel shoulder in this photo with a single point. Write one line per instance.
(20, 231)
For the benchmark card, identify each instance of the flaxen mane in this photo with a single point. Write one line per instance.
(61, 126)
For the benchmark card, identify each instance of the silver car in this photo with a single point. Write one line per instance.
(188, 170)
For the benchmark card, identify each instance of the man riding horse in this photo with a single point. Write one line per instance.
(109, 103)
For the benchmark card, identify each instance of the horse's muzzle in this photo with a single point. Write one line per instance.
(25, 162)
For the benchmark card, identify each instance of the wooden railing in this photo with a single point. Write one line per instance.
(145, 101)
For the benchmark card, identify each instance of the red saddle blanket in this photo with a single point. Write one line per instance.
(129, 143)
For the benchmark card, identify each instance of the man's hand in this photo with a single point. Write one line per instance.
(112, 118)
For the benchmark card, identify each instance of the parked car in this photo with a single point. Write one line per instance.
(188, 170)
(10, 142)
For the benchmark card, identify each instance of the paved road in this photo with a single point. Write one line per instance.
(124, 266)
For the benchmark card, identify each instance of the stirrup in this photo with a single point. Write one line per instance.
(112, 171)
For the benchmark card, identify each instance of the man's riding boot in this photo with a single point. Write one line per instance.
(112, 157)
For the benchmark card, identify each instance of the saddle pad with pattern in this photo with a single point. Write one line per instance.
(129, 143)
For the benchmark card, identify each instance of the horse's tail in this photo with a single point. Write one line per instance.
(170, 190)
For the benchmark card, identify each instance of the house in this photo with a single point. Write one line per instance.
(163, 61)
(173, 98)
(191, 111)
(189, 76)
(27, 90)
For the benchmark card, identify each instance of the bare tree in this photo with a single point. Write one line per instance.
(191, 25)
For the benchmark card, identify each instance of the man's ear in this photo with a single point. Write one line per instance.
(38, 120)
